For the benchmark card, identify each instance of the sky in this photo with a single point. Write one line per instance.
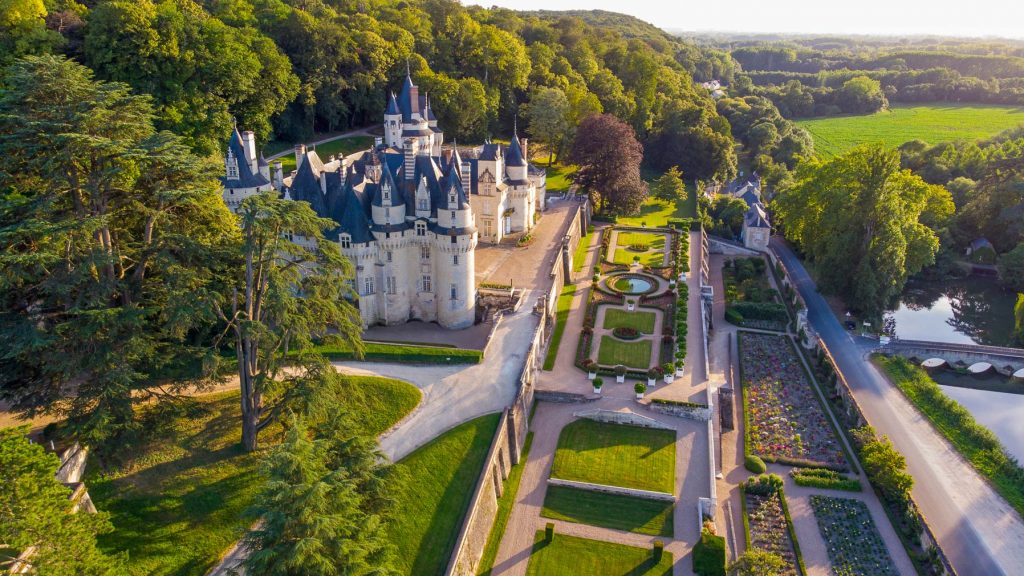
(1003, 18)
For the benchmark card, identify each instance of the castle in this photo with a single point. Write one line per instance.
(410, 212)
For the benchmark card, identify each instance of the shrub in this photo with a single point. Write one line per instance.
(764, 485)
(549, 531)
(639, 387)
(755, 464)
(669, 367)
(495, 285)
(620, 370)
(626, 332)
(596, 277)
(824, 478)
(760, 311)
(639, 247)
(733, 317)
(654, 373)
(709, 555)
(588, 364)
(598, 382)
(659, 549)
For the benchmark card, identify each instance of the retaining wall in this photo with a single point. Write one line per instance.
(646, 494)
(699, 413)
(627, 418)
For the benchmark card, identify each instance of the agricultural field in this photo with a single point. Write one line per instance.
(902, 123)
(572, 556)
(616, 455)
(854, 545)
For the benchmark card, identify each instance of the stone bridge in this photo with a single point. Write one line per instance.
(974, 357)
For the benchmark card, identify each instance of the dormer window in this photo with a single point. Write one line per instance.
(345, 240)
(386, 193)
(421, 228)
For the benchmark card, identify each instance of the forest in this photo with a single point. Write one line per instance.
(288, 69)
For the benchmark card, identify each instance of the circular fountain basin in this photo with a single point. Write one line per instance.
(632, 285)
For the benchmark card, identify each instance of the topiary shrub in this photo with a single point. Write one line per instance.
(549, 531)
(755, 464)
(659, 549)
(709, 555)
(625, 333)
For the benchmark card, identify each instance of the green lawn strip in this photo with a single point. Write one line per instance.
(613, 352)
(618, 512)
(562, 308)
(403, 353)
(903, 123)
(616, 455)
(558, 177)
(976, 443)
(649, 258)
(656, 212)
(641, 321)
(572, 556)
(709, 555)
(508, 498)
(324, 151)
(439, 481)
(579, 257)
(193, 480)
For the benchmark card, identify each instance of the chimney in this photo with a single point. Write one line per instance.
(378, 141)
(278, 175)
(249, 145)
(300, 151)
(410, 149)
(464, 177)
(526, 152)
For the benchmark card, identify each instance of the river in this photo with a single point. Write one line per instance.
(968, 311)
(1000, 412)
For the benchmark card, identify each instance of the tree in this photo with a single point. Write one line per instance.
(323, 509)
(23, 30)
(757, 562)
(291, 292)
(884, 465)
(865, 259)
(36, 513)
(1018, 316)
(669, 186)
(861, 95)
(547, 113)
(110, 235)
(608, 155)
(1011, 269)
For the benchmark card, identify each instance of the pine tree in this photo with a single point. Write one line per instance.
(36, 514)
(669, 186)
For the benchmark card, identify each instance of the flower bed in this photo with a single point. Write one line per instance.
(784, 421)
(854, 544)
(625, 333)
(766, 522)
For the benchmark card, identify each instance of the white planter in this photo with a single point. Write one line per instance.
(591, 375)
(679, 372)
(651, 382)
(620, 378)
(629, 307)
(639, 395)
(668, 378)
(597, 390)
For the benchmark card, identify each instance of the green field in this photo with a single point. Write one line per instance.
(557, 180)
(642, 321)
(194, 479)
(613, 352)
(655, 212)
(562, 308)
(933, 124)
(572, 556)
(639, 515)
(616, 455)
(440, 478)
(341, 146)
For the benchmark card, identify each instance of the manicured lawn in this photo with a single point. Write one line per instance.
(176, 502)
(562, 308)
(642, 321)
(976, 443)
(656, 212)
(653, 256)
(515, 475)
(633, 354)
(579, 257)
(440, 478)
(342, 146)
(628, 513)
(901, 123)
(571, 556)
(558, 177)
(404, 353)
(616, 455)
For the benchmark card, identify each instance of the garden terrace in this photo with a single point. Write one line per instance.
(615, 511)
(616, 455)
(784, 421)
(750, 300)
(767, 524)
(572, 556)
(648, 248)
(854, 545)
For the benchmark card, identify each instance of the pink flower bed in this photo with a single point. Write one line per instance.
(785, 421)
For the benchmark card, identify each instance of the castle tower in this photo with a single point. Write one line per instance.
(244, 174)
(393, 123)
(456, 265)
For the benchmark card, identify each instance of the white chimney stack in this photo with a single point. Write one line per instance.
(300, 151)
(249, 144)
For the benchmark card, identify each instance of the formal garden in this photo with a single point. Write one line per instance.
(616, 455)
(855, 547)
(766, 521)
(562, 555)
(644, 248)
(783, 419)
(750, 300)
(615, 511)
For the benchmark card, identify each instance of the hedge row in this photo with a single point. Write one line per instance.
(402, 353)
(825, 478)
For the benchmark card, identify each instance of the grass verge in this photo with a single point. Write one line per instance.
(579, 257)
(635, 354)
(505, 503)
(616, 455)
(976, 443)
(615, 511)
(562, 308)
(403, 353)
(572, 556)
(440, 478)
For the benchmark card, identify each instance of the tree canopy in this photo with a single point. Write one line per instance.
(609, 155)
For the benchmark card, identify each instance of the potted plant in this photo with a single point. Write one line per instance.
(591, 367)
(639, 388)
(652, 376)
(598, 383)
(630, 304)
(679, 367)
(620, 373)
(670, 370)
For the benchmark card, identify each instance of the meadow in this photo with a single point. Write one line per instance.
(902, 123)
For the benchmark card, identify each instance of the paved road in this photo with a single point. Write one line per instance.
(979, 532)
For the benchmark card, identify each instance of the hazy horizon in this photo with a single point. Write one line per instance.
(952, 18)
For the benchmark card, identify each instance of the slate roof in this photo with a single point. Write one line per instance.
(392, 105)
(246, 177)
(981, 243)
(756, 217)
(514, 157)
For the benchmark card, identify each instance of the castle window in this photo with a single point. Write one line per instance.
(232, 192)
(422, 204)
(426, 283)
(345, 240)
(453, 217)
(421, 228)
(387, 255)
(390, 284)
(455, 260)
(368, 285)
(455, 292)
(424, 253)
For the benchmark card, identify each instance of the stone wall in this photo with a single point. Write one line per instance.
(691, 412)
(628, 418)
(646, 494)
